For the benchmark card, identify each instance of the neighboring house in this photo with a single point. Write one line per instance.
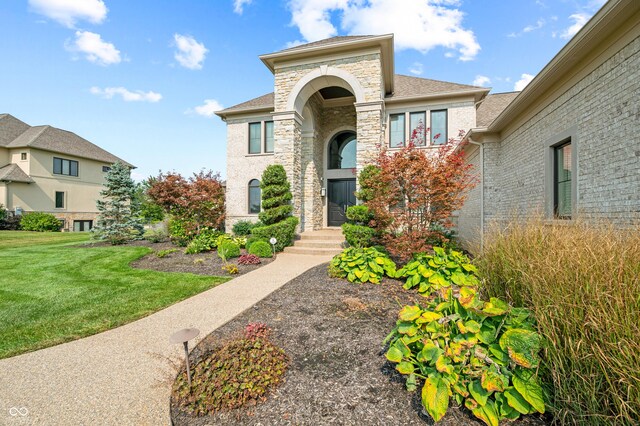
(46, 169)
(569, 144)
(338, 101)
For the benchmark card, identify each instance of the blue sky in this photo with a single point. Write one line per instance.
(142, 78)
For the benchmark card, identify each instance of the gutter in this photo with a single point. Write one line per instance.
(468, 138)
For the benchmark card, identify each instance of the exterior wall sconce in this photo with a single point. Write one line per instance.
(323, 192)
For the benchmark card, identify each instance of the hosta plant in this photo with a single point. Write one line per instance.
(361, 265)
(431, 272)
(483, 354)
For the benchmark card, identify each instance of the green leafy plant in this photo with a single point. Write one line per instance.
(361, 265)
(284, 232)
(244, 227)
(206, 240)
(199, 261)
(261, 249)
(40, 222)
(243, 371)
(231, 269)
(155, 235)
(430, 272)
(165, 253)
(356, 230)
(228, 250)
(179, 233)
(252, 240)
(3, 212)
(483, 354)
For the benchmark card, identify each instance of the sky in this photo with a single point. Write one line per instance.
(142, 79)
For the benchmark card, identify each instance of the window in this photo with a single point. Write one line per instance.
(23, 156)
(106, 169)
(62, 166)
(82, 225)
(268, 136)
(59, 200)
(418, 120)
(396, 130)
(254, 196)
(342, 151)
(562, 181)
(439, 127)
(254, 138)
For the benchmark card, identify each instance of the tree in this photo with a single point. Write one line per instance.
(197, 202)
(148, 210)
(412, 191)
(118, 219)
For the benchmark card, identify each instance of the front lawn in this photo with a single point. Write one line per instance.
(52, 291)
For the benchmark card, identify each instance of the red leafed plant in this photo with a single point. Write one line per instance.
(248, 259)
(412, 190)
(255, 330)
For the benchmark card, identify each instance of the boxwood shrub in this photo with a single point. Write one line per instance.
(261, 249)
(283, 231)
(40, 222)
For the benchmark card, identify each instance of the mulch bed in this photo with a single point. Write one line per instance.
(201, 263)
(332, 331)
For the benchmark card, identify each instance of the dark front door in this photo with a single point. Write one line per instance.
(341, 195)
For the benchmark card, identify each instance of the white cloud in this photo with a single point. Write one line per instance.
(481, 80)
(127, 95)
(208, 109)
(238, 5)
(94, 48)
(68, 12)
(522, 83)
(417, 68)
(579, 19)
(190, 53)
(417, 24)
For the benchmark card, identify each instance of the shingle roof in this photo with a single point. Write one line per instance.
(50, 138)
(492, 106)
(10, 128)
(13, 173)
(408, 86)
(261, 102)
(326, 42)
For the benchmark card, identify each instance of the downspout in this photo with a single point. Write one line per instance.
(481, 146)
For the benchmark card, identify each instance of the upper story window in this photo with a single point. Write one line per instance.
(23, 156)
(66, 167)
(342, 151)
(418, 128)
(106, 169)
(439, 127)
(261, 135)
(562, 181)
(396, 130)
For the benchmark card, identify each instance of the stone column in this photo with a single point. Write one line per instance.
(287, 151)
(370, 132)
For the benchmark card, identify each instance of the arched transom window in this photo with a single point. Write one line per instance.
(342, 151)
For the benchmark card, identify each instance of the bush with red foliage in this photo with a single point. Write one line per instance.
(249, 259)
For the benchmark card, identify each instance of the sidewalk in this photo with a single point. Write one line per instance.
(121, 376)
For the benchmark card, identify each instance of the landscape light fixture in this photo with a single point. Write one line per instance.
(273, 242)
(183, 336)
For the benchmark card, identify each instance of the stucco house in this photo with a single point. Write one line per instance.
(51, 170)
(336, 102)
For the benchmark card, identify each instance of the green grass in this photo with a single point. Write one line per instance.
(53, 291)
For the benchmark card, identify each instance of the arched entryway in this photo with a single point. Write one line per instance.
(340, 183)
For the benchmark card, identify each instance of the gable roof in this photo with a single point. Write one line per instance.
(492, 106)
(406, 88)
(50, 138)
(13, 173)
(326, 42)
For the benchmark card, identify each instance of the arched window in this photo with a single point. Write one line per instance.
(342, 151)
(254, 196)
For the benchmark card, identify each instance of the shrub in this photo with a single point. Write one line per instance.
(178, 232)
(284, 232)
(206, 240)
(155, 235)
(231, 269)
(358, 235)
(261, 249)
(241, 372)
(251, 240)
(483, 354)
(165, 253)
(276, 195)
(244, 227)
(582, 281)
(228, 250)
(249, 259)
(40, 222)
(362, 265)
(3, 212)
(359, 215)
(431, 272)
(11, 223)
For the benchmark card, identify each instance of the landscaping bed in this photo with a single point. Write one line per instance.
(332, 331)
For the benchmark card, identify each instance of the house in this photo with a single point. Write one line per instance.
(46, 169)
(338, 101)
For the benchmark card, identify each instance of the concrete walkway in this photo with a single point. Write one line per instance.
(122, 376)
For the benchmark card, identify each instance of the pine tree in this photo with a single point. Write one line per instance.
(118, 221)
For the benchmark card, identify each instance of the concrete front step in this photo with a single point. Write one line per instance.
(312, 251)
(328, 244)
(322, 242)
(325, 234)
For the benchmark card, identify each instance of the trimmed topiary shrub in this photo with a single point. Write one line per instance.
(40, 222)
(284, 232)
(228, 250)
(276, 195)
(261, 249)
(356, 231)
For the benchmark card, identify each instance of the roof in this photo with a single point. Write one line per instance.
(50, 138)
(406, 87)
(326, 42)
(492, 106)
(413, 87)
(13, 173)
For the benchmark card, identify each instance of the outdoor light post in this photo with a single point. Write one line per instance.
(273, 242)
(183, 336)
